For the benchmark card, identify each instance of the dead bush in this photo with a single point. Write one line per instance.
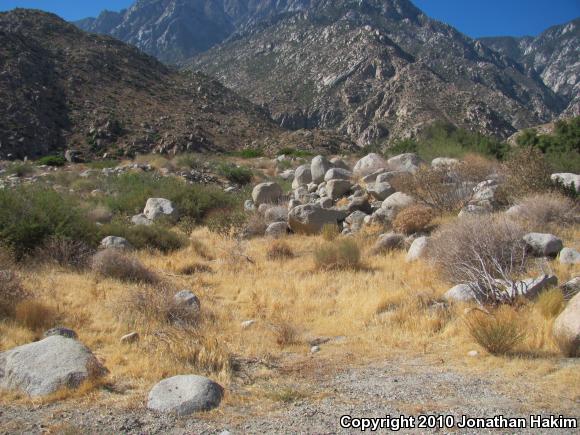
(435, 188)
(65, 253)
(526, 172)
(479, 251)
(499, 332)
(279, 250)
(11, 293)
(474, 168)
(286, 333)
(157, 303)
(35, 315)
(112, 263)
(551, 303)
(541, 211)
(194, 268)
(343, 254)
(413, 219)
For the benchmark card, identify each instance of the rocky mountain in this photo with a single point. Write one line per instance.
(377, 70)
(554, 56)
(61, 87)
(176, 30)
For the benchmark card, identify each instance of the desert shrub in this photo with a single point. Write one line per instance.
(64, 252)
(285, 332)
(330, 232)
(30, 215)
(551, 303)
(11, 291)
(543, 210)
(434, 188)
(228, 221)
(294, 152)
(51, 161)
(112, 263)
(499, 332)
(236, 174)
(102, 164)
(158, 303)
(100, 214)
(129, 193)
(413, 219)
(146, 236)
(526, 172)
(478, 250)
(474, 168)
(35, 315)
(279, 250)
(341, 254)
(20, 169)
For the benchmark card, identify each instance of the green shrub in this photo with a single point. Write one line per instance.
(527, 172)
(51, 161)
(102, 164)
(343, 254)
(190, 161)
(226, 221)
(146, 237)
(30, 215)
(236, 174)
(20, 169)
(129, 193)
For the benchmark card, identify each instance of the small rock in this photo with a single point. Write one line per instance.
(112, 242)
(141, 219)
(187, 298)
(569, 256)
(472, 353)
(248, 323)
(460, 293)
(315, 349)
(183, 395)
(417, 249)
(62, 331)
(543, 245)
(388, 242)
(157, 208)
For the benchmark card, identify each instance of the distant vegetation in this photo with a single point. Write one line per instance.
(562, 148)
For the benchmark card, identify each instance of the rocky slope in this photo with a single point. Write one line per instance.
(554, 56)
(377, 70)
(61, 87)
(175, 30)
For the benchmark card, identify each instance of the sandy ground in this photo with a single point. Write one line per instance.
(400, 386)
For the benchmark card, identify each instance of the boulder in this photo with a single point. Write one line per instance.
(183, 395)
(569, 256)
(319, 166)
(157, 208)
(112, 242)
(186, 298)
(485, 191)
(398, 200)
(387, 176)
(277, 229)
(326, 202)
(276, 214)
(310, 218)
(337, 174)
(543, 245)
(44, 367)
(381, 191)
(571, 288)
(287, 175)
(567, 180)
(266, 193)
(73, 156)
(336, 189)
(567, 328)
(355, 221)
(337, 162)
(532, 287)
(360, 203)
(371, 178)
(460, 293)
(388, 242)
(418, 249)
(141, 219)
(408, 162)
(302, 176)
(444, 162)
(369, 164)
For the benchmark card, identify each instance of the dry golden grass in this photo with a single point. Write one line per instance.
(498, 332)
(388, 308)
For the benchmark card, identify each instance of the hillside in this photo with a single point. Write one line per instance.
(62, 87)
(377, 71)
(553, 56)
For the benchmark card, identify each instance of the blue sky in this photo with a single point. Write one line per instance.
(473, 17)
